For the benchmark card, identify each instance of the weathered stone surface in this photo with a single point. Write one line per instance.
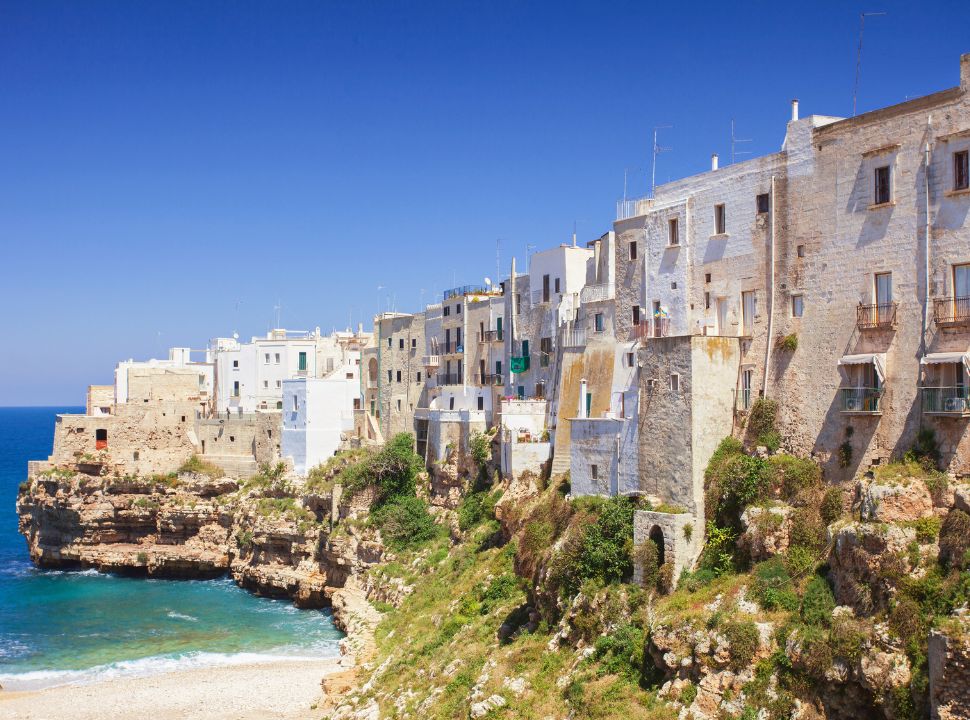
(949, 669)
(766, 531)
(906, 500)
(865, 558)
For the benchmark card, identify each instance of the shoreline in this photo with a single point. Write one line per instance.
(285, 689)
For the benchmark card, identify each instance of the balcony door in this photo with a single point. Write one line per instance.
(961, 291)
(884, 296)
(748, 310)
(722, 316)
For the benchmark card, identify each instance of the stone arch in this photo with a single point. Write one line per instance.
(657, 536)
(372, 369)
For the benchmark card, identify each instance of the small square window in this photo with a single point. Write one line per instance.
(481, 403)
(400, 344)
(707, 300)
(707, 277)
(598, 322)
(629, 359)
(390, 342)
(414, 343)
(390, 376)
(265, 383)
(266, 359)
(673, 232)
(633, 250)
(277, 359)
(457, 309)
(720, 219)
(399, 376)
(800, 250)
(447, 311)
(883, 185)
(961, 170)
(673, 286)
(763, 203)
(674, 382)
(594, 471)
(279, 383)
(797, 305)
(419, 377)
(235, 363)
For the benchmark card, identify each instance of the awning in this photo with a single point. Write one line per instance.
(878, 360)
(947, 357)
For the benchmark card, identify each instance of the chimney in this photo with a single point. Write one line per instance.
(965, 72)
(574, 238)
(794, 110)
(596, 259)
(714, 161)
(582, 399)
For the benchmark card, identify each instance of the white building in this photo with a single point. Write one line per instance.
(316, 411)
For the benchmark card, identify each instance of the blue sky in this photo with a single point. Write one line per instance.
(169, 171)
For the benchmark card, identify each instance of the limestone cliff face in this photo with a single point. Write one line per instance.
(272, 543)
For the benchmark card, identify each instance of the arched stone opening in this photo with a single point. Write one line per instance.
(372, 370)
(657, 537)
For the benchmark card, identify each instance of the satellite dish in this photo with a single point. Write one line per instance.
(488, 281)
(235, 336)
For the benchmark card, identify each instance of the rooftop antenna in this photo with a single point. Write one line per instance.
(574, 233)
(379, 288)
(858, 59)
(236, 323)
(278, 307)
(735, 141)
(657, 149)
(528, 257)
(626, 172)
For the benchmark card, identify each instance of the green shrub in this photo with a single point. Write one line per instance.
(772, 586)
(800, 560)
(648, 555)
(955, 539)
(688, 694)
(244, 538)
(475, 508)
(818, 602)
(848, 637)
(620, 652)
(197, 466)
(761, 419)
(739, 481)
(807, 528)
(718, 554)
(770, 440)
(833, 505)
(794, 475)
(688, 532)
(925, 450)
(405, 522)
(665, 577)
(501, 589)
(141, 558)
(787, 343)
(395, 468)
(927, 528)
(601, 552)
(845, 454)
(537, 536)
(744, 639)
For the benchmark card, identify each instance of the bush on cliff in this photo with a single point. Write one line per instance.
(955, 539)
(476, 508)
(405, 522)
(197, 466)
(818, 602)
(395, 468)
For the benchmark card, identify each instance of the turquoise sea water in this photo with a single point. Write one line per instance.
(67, 627)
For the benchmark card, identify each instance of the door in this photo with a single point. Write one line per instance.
(722, 316)
(884, 296)
(961, 291)
(498, 328)
(545, 288)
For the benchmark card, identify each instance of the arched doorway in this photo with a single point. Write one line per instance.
(657, 537)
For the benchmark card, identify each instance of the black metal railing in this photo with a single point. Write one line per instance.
(449, 378)
(946, 400)
(860, 400)
(951, 310)
(879, 315)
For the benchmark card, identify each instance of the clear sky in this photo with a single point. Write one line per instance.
(169, 171)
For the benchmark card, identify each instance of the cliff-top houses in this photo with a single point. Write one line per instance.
(832, 276)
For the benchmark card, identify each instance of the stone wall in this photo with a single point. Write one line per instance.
(678, 536)
(949, 670)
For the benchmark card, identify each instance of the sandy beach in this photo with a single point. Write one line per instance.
(281, 691)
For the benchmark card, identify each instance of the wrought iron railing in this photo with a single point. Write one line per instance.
(449, 378)
(595, 293)
(879, 315)
(946, 400)
(488, 379)
(860, 400)
(658, 327)
(951, 310)
(491, 336)
(451, 348)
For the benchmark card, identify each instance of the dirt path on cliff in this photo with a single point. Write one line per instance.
(278, 691)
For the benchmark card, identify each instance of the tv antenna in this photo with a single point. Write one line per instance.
(278, 308)
(735, 141)
(858, 58)
(528, 257)
(657, 149)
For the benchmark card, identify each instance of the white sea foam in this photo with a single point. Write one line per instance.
(39, 679)
(179, 616)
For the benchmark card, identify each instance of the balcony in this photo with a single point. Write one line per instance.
(431, 361)
(656, 328)
(952, 401)
(951, 310)
(449, 379)
(860, 401)
(490, 336)
(544, 359)
(463, 290)
(876, 317)
(488, 379)
(451, 348)
(595, 293)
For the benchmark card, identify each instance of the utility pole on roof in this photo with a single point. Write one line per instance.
(735, 141)
(858, 58)
(657, 149)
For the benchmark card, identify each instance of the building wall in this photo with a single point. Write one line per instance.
(316, 414)
(100, 400)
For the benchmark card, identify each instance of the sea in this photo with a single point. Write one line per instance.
(73, 627)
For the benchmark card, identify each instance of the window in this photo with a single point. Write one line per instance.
(266, 359)
(525, 348)
(961, 170)
(232, 438)
(636, 314)
(884, 288)
(498, 367)
(235, 364)
(400, 344)
(707, 300)
(277, 359)
(674, 382)
(746, 377)
(673, 232)
(296, 403)
(545, 288)
(235, 389)
(135, 455)
(390, 342)
(763, 203)
(458, 309)
(399, 406)
(279, 404)
(720, 220)
(518, 304)
(279, 384)
(399, 376)
(797, 305)
(633, 250)
(540, 390)
(594, 471)
(349, 376)
(557, 286)
(673, 286)
(390, 376)
(749, 308)
(446, 311)
(100, 439)
(883, 188)
(707, 277)
(598, 322)
(481, 403)
(451, 403)
(266, 384)
(302, 365)
(414, 343)
(629, 359)
(800, 251)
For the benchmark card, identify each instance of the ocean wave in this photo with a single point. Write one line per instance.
(39, 679)
(180, 616)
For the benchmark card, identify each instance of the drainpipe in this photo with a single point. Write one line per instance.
(926, 257)
(771, 287)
